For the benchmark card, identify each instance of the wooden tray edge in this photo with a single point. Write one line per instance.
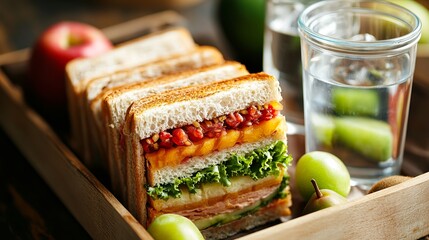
(398, 212)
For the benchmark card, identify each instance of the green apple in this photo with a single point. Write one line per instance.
(421, 12)
(327, 169)
(174, 226)
(369, 137)
(322, 198)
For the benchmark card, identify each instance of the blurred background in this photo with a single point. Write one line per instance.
(236, 27)
(226, 24)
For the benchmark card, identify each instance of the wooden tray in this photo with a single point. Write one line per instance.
(399, 212)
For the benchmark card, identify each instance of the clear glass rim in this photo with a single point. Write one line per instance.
(403, 41)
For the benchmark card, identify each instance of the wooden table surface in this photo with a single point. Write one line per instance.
(28, 207)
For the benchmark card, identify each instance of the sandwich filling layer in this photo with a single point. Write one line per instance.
(259, 205)
(179, 147)
(213, 128)
(168, 174)
(232, 206)
(211, 193)
(257, 164)
(175, 156)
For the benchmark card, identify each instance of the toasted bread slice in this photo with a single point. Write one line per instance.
(79, 72)
(200, 103)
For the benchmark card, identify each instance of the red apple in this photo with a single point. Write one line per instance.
(56, 46)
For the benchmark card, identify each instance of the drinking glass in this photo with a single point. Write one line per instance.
(358, 61)
(282, 52)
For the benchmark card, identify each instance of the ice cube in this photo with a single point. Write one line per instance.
(358, 74)
(365, 37)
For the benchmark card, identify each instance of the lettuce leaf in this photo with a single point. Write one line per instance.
(257, 164)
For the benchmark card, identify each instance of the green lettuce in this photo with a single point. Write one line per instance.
(256, 164)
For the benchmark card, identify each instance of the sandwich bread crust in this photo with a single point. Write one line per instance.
(210, 101)
(153, 46)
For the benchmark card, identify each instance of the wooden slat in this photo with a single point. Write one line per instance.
(14, 57)
(398, 212)
(99, 212)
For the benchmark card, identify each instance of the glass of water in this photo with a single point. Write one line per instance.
(358, 61)
(282, 52)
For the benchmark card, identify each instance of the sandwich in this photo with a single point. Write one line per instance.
(111, 106)
(79, 72)
(96, 89)
(214, 153)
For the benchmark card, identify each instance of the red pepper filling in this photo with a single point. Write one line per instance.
(186, 135)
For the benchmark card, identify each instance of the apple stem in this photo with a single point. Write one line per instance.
(316, 188)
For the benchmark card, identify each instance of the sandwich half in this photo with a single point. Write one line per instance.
(100, 87)
(215, 153)
(116, 101)
(150, 48)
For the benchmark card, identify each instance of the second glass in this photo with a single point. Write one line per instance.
(358, 62)
(282, 52)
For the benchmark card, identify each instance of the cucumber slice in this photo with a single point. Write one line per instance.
(355, 102)
(369, 137)
(324, 127)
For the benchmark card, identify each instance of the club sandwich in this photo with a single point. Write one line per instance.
(214, 153)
